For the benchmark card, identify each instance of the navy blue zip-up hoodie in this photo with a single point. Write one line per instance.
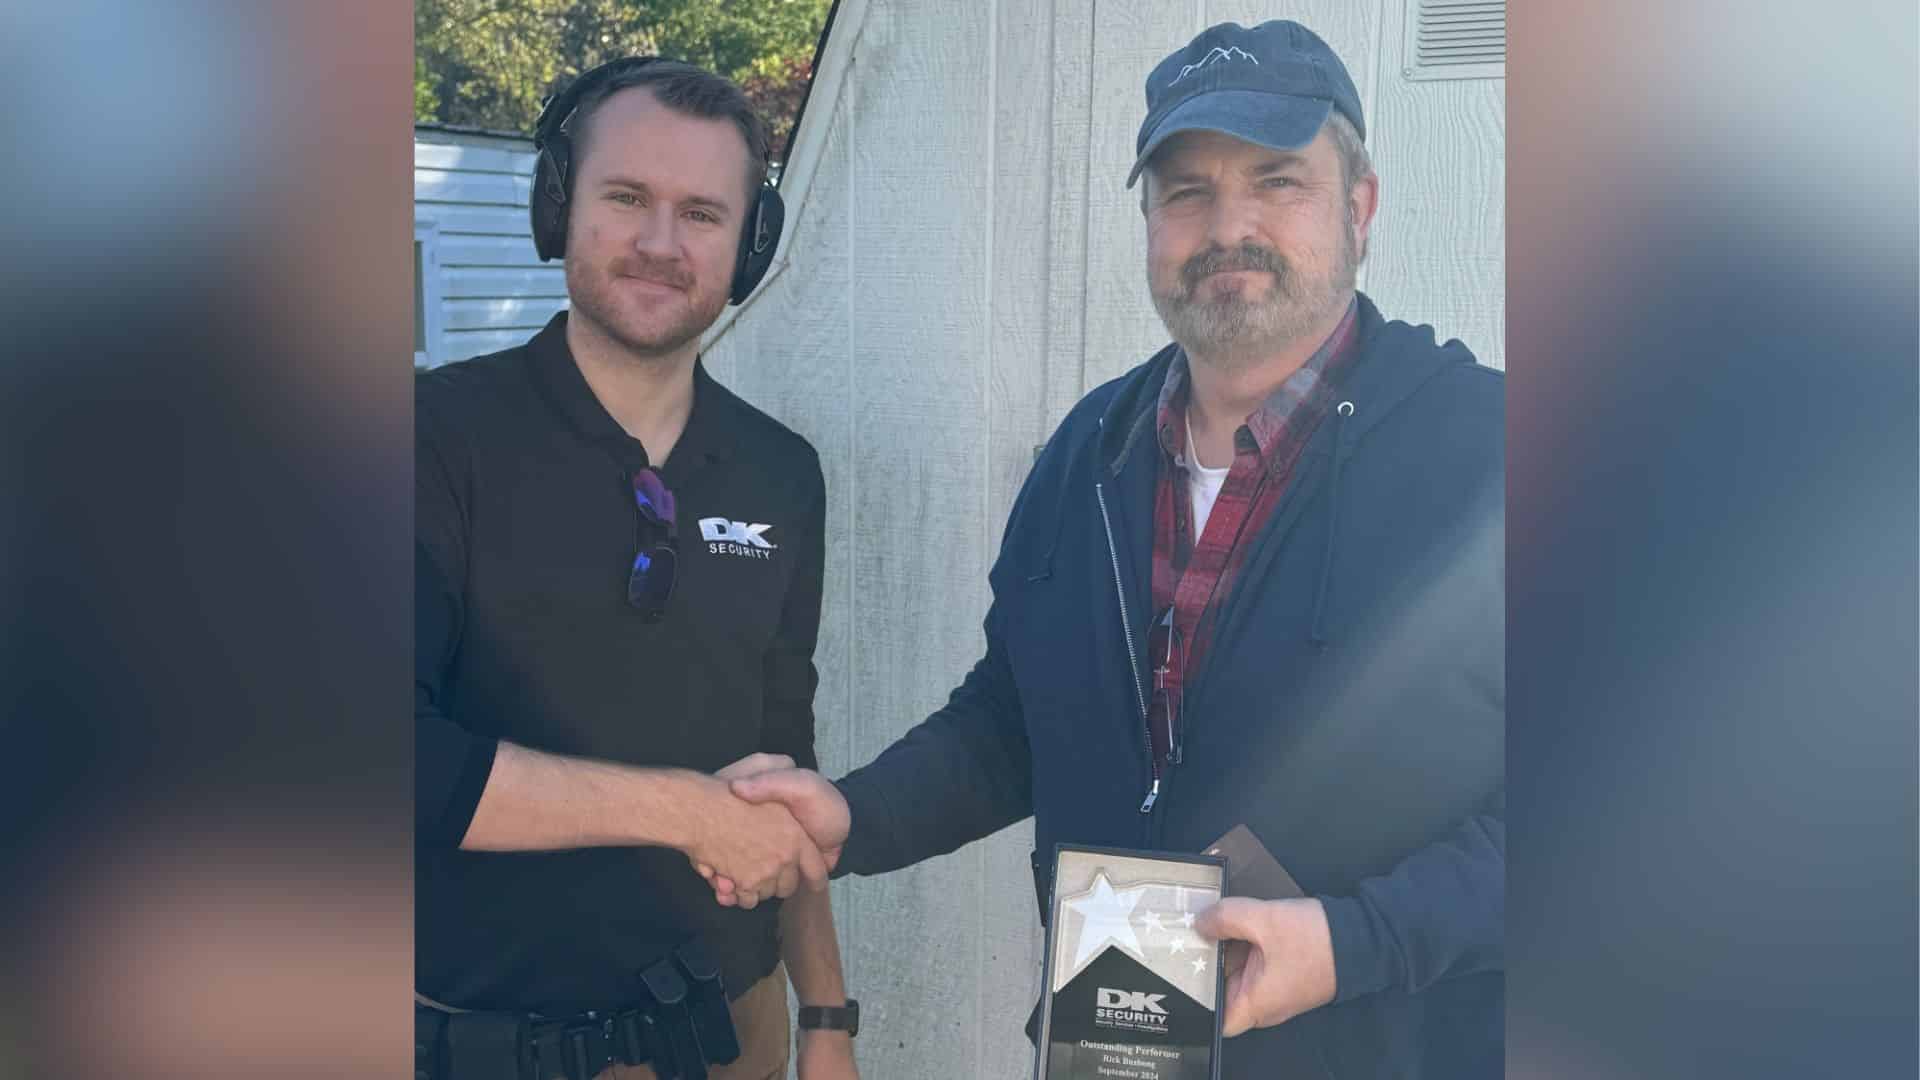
(1351, 709)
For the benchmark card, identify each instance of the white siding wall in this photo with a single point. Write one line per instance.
(962, 264)
(493, 291)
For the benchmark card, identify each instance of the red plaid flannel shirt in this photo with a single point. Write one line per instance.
(1188, 576)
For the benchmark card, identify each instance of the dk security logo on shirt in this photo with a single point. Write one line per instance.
(725, 536)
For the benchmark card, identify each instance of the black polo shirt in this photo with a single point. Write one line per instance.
(526, 530)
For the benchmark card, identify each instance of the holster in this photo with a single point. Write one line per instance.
(707, 1004)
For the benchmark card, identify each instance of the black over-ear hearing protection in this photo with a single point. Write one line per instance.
(547, 206)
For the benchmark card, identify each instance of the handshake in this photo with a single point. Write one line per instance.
(769, 828)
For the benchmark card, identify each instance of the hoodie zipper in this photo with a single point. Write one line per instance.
(1133, 659)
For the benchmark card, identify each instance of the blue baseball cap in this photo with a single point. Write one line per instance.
(1274, 84)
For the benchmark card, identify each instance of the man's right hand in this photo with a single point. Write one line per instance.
(807, 798)
(756, 846)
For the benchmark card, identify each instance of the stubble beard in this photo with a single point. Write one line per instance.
(593, 296)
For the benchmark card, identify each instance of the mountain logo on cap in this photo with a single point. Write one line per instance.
(1216, 55)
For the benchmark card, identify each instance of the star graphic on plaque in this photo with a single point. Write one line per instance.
(1199, 964)
(1178, 944)
(1186, 920)
(1109, 918)
(1151, 920)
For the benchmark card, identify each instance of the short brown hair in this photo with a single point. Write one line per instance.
(688, 90)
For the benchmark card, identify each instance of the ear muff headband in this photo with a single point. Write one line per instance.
(553, 162)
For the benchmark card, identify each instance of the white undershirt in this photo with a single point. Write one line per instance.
(1202, 483)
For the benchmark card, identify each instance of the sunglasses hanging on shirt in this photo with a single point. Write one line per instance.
(657, 562)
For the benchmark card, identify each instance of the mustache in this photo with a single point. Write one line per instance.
(664, 271)
(1216, 259)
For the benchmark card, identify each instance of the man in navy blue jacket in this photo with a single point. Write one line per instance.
(1256, 580)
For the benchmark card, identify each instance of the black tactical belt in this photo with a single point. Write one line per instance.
(679, 1026)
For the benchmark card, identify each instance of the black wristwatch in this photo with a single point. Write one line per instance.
(828, 1018)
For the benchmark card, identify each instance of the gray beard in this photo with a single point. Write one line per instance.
(1234, 333)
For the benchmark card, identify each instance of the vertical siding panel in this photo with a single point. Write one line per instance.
(920, 228)
(1016, 377)
(1070, 123)
(1439, 242)
(1122, 328)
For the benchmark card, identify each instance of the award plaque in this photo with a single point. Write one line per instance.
(1129, 990)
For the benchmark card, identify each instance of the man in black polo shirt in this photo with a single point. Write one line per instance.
(618, 590)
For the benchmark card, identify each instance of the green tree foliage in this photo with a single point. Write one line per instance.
(426, 101)
(489, 63)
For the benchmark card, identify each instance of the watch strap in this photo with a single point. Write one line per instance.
(830, 1017)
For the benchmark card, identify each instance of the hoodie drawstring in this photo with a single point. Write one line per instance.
(1340, 412)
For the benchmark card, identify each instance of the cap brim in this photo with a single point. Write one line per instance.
(1275, 121)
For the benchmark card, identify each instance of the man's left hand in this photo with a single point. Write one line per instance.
(1288, 953)
(825, 1055)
